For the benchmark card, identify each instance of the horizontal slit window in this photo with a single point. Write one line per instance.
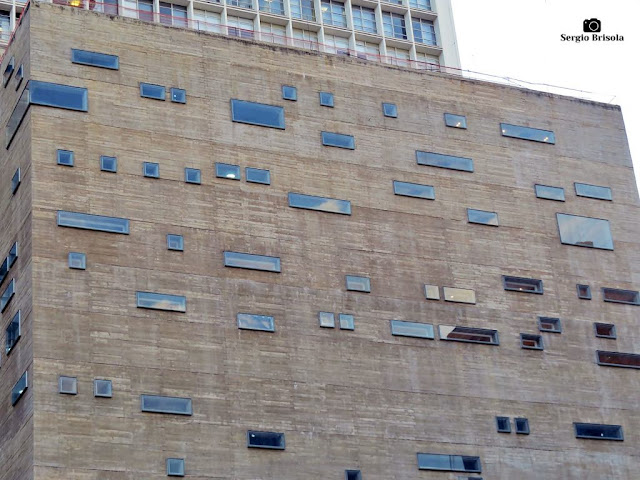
(459, 295)
(584, 231)
(455, 121)
(550, 193)
(618, 359)
(58, 96)
(615, 295)
(87, 221)
(468, 334)
(527, 133)
(271, 440)
(340, 140)
(175, 242)
(150, 90)
(95, 59)
(19, 388)
(160, 404)
(321, 204)
(175, 467)
(161, 301)
(225, 170)
(358, 284)
(525, 285)
(449, 463)
(414, 190)
(605, 330)
(439, 160)
(548, 324)
(482, 217)
(248, 321)
(13, 333)
(401, 328)
(595, 431)
(531, 341)
(7, 295)
(259, 114)
(108, 164)
(252, 262)
(257, 175)
(593, 191)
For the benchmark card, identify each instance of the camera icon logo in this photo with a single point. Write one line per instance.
(592, 25)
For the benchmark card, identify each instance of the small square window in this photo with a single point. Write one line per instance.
(68, 385)
(327, 319)
(326, 99)
(77, 261)
(503, 424)
(352, 475)
(257, 175)
(151, 170)
(347, 322)
(19, 76)
(108, 164)
(102, 388)
(224, 170)
(15, 181)
(530, 341)
(65, 157)
(605, 330)
(175, 467)
(175, 242)
(548, 324)
(178, 95)
(522, 426)
(390, 110)
(192, 175)
(289, 93)
(584, 292)
(432, 292)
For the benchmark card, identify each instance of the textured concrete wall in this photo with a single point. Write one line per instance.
(361, 399)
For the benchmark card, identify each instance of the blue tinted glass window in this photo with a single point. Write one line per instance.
(102, 388)
(289, 93)
(13, 333)
(271, 440)
(7, 295)
(178, 95)
(161, 301)
(95, 59)
(414, 190)
(584, 231)
(151, 170)
(19, 76)
(192, 175)
(482, 217)
(175, 467)
(593, 191)
(550, 193)
(252, 262)
(8, 262)
(8, 71)
(224, 170)
(340, 140)
(257, 114)
(322, 204)
(527, 133)
(175, 242)
(108, 164)
(149, 90)
(412, 329)
(451, 463)
(77, 260)
(326, 99)
(65, 157)
(93, 222)
(160, 404)
(19, 388)
(390, 110)
(444, 161)
(59, 96)
(257, 175)
(358, 284)
(15, 182)
(248, 321)
(15, 120)
(455, 121)
(347, 322)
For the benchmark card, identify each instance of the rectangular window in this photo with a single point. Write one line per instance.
(451, 162)
(468, 334)
(77, 261)
(260, 114)
(519, 284)
(593, 191)
(424, 31)
(108, 164)
(432, 292)
(225, 170)
(7, 295)
(584, 231)
(87, 221)
(364, 19)
(172, 14)
(151, 169)
(326, 99)
(15, 182)
(160, 404)
(455, 121)
(150, 90)
(67, 385)
(449, 463)
(549, 193)
(102, 388)
(531, 341)
(459, 295)
(548, 324)
(321, 204)
(615, 295)
(206, 21)
(394, 25)
(8, 70)
(336, 44)
(15, 120)
(289, 93)
(237, 26)
(252, 262)
(618, 359)
(5, 28)
(596, 431)
(327, 319)
(13, 333)
(522, 426)
(272, 6)
(95, 59)
(178, 95)
(303, 9)
(605, 330)
(58, 96)
(161, 301)
(333, 13)
(527, 133)
(19, 388)
(352, 475)
(423, 4)
(390, 110)
(503, 424)
(19, 76)
(257, 175)
(270, 440)
(358, 284)
(248, 321)
(482, 217)
(406, 189)
(347, 322)
(397, 56)
(65, 157)
(401, 328)
(175, 467)
(8, 262)
(331, 139)
(192, 175)
(271, 32)
(368, 51)
(584, 291)
(241, 3)
(175, 242)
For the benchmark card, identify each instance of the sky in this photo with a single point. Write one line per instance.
(521, 39)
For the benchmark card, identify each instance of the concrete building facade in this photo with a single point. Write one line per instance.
(371, 273)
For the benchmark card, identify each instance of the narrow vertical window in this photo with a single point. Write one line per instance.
(13, 333)
(231, 172)
(522, 426)
(15, 182)
(19, 388)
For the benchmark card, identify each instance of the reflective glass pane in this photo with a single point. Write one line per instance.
(102, 388)
(15, 182)
(326, 99)
(584, 231)
(252, 262)
(432, 292)
(339, 140)
(414, 190)
(503, 424)
(175, 242)
(59, 96)
(527, 133)
(459, 295)
(347, 322)
(160, 404)
(178, 95)
(257, 114)
(16, 117)
(548, 324)
(390, 110)
(175, 467)
(455, 121)
(468, 334)
(605, 330)
(248, 321)
(151, 170)
(412, 329)
(358, 284)
(231, 172)
(95, 59)
(432, 461)
(77, 260)
(482, 217)
(13, 332)
(65, 157)
(265, 440)
(257, 175)
(322, 204)
(327, 319)
(108, 164)
(7, 295)
(161, 301)
(19, 388)
(584, 292)
(149, 90)
(444, 161)
(550, 193)
(93, 222)
(67, 385)
(192, 175)
(593, 191)
(289, 93)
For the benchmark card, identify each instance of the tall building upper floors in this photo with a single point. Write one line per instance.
(211, 246)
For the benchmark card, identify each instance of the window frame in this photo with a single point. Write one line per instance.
(493, 334)
(338, 140)
(115, 60)
(429, 331)
(259, 110)
(539, 287)
(613, 335)
(72, 389)
(327, 320)
(530, 130)
(550, 320)
(587, 295)
(580, 192)
(346, 321)
(96, 393)
(196, 171)
(428, 194)
(178, 95)
(450, 120)
(175, 462)
(340, 207)
(152, 91)
(269, 325)
(523, 428)
(499, 429)
(23, 382)
(326, 99)
(16, 180)
(493, 222)
(104, 166)
(145, 300)
(74, 217)
(539, 192)
(229, 261)
(441, 160)
(452, 468)
(77, 260)
(606, 290)
(223, 171)
(290, 93)
(635, 356)
(619, 428)
(281, 436)
(60, 153)
(174, 237)
(250, 178)
(188, 411)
